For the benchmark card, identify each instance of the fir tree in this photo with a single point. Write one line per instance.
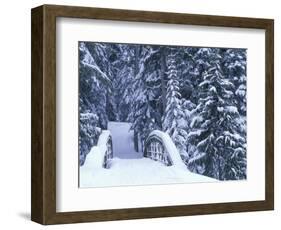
(123, 81)
(234, 66)
(92, 96)
(219, 143)
(88, 134)
(173, 114)
(146, 86)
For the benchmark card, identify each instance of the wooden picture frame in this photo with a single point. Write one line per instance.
(43, 188)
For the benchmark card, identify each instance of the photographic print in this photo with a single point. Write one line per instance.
(161, 114)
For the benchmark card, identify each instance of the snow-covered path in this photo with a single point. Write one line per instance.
(122, 140)
(126, 172)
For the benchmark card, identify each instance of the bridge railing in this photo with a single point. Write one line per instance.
(108, 155)
(155, 149)
(159, 146)
(104, 154)
(100, 155)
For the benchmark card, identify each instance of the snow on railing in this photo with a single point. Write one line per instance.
(160, 147)
(101, 154)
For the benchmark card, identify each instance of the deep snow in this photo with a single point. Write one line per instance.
(128, 167)
(142, 171)
(95, 158)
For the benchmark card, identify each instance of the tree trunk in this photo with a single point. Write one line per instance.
(163, 76)
(136, 70)
(136, 142)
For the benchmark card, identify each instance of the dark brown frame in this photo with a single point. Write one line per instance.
(43, 188)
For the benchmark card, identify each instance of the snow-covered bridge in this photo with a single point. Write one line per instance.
(114, 161)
